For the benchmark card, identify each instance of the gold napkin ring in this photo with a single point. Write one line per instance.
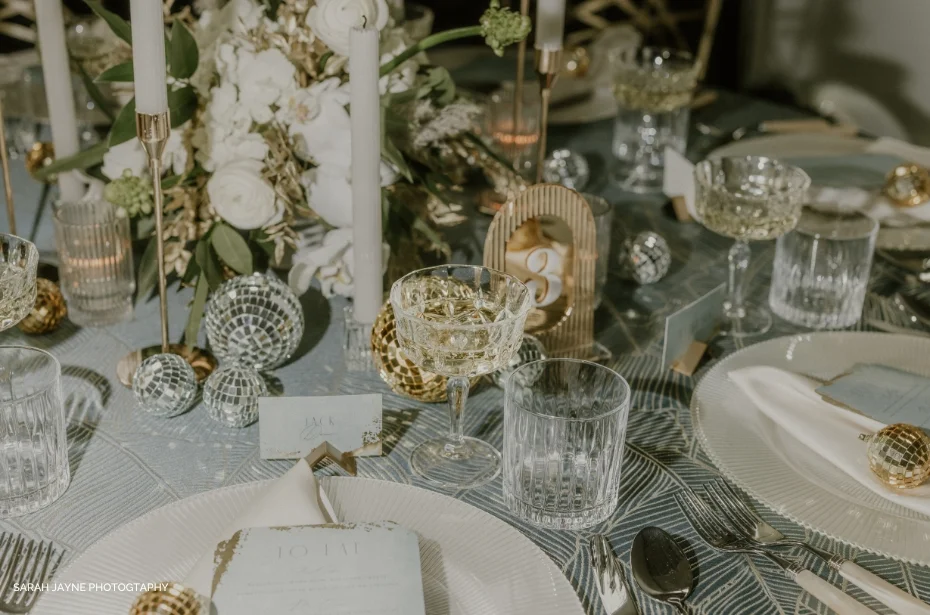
(908, 185)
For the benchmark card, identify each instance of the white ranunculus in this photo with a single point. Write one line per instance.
(329, 194)
(331, 20)
(263, 78)
(241, 196)
(130, 155)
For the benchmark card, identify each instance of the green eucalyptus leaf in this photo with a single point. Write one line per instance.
(124, 126)
(95, 94)
(182, 103)
(232, 248)
(196, 312)
(209, 263)
(148, 270)
(183, 55)
(82, 160)
(121, 73)
(120, 26)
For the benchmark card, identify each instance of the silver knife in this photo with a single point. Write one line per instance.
(611, 581)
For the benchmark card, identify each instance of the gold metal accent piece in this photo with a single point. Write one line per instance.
(202, 361)
(326, 451)
(175, 599)
(548, 65)
(899, 455)
(48, 312)
(546, 238)
(40, 155)
(153, 131)
(577, 63)
(908, 185)
(7, 183)
(400, 373)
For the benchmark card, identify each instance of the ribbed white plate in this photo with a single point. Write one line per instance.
(473, 563)
(771, 465)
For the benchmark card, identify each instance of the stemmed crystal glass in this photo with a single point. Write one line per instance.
(460, 322)
(18, 262)
(749, 198)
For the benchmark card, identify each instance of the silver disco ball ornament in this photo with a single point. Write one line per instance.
(568, 168)
(164, 385)
(531, 349)
(231, 395)
(254, 320)
(645, 258)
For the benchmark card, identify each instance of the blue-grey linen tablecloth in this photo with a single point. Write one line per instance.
(125, 463)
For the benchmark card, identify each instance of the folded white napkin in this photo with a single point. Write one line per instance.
(901, 149)
(790, 400)
(870, 203)
(293, 499)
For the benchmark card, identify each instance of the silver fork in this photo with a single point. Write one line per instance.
(31, 567)
(753, 527)
(716, 532)
(611, 581)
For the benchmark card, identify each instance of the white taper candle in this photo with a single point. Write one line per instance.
(58, 91)
(148, 56)
(366, 172)
(550, 24)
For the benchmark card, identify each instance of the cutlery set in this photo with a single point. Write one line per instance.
(24, 565)
(724, 521)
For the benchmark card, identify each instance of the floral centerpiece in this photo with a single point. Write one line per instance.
(257, 166)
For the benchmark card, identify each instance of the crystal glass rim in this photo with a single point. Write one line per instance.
(398, 309)
(42, 390)
(667, 53)
(116, 219)
(32, 247)
(703, 175)
(840, 218)
(603, 206)
(513, 382)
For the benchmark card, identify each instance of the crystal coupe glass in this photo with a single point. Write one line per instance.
(749, 198)
(460, 322)
(19, 260)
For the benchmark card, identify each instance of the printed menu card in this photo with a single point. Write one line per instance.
(363, 569)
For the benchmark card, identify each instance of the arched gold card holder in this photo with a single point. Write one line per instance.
(546, 238)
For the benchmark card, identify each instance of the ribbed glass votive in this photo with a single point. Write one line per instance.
(95, 267)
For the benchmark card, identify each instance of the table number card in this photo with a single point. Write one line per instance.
(884, 393)
(364, 569)
(688, 330)
(291, 427)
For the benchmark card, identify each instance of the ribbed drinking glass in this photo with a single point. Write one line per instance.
(18, 262)
(460, 322)
(34, 468)
(95, 256)
(603, 214)
(564, 430)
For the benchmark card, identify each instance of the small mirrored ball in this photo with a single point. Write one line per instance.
(164, 385)
(231, 395)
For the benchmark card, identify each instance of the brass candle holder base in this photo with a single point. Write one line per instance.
(202, 361)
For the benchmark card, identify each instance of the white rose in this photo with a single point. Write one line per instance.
(241, 196)
(331, 20)
(329, 194)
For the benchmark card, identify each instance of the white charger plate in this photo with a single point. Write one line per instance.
(473, 563)
(764, 460)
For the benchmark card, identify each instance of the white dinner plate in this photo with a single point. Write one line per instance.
(473, 563)
(795, 145)
(785, 475)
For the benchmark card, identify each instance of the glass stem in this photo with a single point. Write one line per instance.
(739, 261)
(457, 391)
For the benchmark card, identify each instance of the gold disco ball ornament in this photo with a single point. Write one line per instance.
(40, 155)
(899, 455)
(170, 599)
(48, 312)
(399, 372)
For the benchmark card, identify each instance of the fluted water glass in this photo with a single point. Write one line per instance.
(34, 469)
(95, 253)
(459, 321)
(748, 198)
(564, 429)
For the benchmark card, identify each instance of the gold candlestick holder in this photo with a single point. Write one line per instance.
(518, 83)
(548, 64)
(7, 185)
(153, 130)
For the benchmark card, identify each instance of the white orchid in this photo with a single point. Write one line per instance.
(331, 20)
(331, 261)
(298, 107)
(393, 42)
(329, 193)
(263, 78)
(130, 155)
(241, 196)
(327, 135)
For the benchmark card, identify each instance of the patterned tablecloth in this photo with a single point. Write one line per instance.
(125, 463)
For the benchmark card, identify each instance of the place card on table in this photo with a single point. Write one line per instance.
(688, 330)
(883, 393)
(291, 427)
(363, 569)
(678, 184)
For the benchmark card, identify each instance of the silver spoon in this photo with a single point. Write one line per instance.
(661, 568)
